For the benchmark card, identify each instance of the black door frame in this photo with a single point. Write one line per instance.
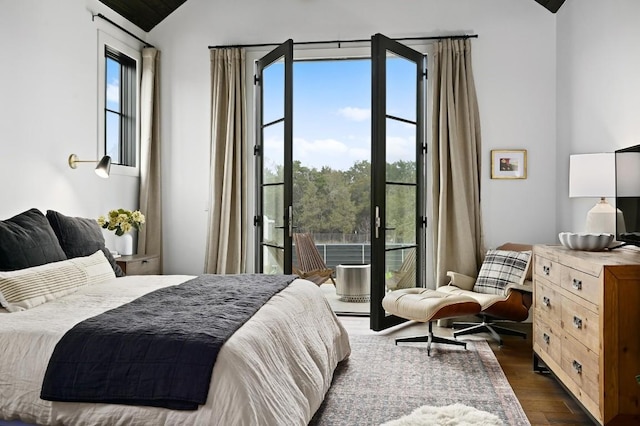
(380, 46)
(282, 52)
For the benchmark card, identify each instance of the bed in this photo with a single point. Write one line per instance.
(275, 369)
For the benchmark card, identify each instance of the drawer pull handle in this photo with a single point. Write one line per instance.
(577, 322)
(546, 269)
(577, 366)
(145, 261)
(546, 338)
(546, 301)
(577, 284)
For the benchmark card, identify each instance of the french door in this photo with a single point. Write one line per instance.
(397, 169)
(397, 176)
(274, 206)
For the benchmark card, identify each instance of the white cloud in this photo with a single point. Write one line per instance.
(113, 91)
(355, 114)
(307, 148)
(399, 148)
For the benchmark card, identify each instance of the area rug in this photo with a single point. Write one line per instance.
(381, 382)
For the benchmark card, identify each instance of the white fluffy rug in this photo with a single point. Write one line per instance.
(450, 415)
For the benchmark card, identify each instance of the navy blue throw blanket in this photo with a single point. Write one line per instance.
(158, 350)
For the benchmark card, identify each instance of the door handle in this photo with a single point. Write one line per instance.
(290, 220)
(377, 222)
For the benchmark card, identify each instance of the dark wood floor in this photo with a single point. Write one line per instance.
(544, 400)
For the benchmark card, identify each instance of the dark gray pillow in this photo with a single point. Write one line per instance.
(80, 236)
(27, 240)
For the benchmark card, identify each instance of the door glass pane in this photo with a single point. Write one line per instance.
(273, 231)
(273, 169)
(402, 88)
(401, 152)
(273, 92)
(401, 173)
(401, 269)
(401, 215)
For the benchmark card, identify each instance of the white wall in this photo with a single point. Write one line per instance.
(515, 75)
(48, 110)
(48, 100)
(598, 89)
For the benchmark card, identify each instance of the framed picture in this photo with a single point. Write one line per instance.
(509, 164)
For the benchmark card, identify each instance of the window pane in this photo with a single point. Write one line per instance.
(112, 85)
(112, 136)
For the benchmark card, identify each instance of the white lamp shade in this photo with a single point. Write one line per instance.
(628, 174)
(592, 175)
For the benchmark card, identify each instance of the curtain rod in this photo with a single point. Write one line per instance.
(339, 42)
(101, 16)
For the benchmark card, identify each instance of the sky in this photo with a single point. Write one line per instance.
(332, 112)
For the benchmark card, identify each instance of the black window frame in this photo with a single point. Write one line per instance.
(128, 116)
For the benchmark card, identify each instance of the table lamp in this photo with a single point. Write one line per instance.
(593, 176)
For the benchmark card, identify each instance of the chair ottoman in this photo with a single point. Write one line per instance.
(425, 305)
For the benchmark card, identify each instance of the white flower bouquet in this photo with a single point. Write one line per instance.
(122, 221)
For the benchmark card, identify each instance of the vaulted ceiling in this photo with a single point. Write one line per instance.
(146, 14)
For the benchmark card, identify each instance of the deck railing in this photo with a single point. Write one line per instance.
(336, 254)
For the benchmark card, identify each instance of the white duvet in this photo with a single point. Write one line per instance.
(275, 370)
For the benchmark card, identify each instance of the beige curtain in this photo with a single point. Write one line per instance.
(150, 236)
(457, 233)
(226, 244)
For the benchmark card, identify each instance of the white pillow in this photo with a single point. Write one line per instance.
(25, 288)
(501, 268)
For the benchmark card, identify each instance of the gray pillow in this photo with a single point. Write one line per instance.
(80, 236)
(27, 240)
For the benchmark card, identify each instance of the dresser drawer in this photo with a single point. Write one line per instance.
(546, 268)
(581, 323)
(548, 338)
(547, 302)
(581, 365)
(582, 285)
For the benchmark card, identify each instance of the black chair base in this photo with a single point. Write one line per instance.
(430, 338)
(486, 327)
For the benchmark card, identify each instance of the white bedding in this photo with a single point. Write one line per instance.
(275, 370)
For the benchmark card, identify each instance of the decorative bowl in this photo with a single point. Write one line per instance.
(585, 241)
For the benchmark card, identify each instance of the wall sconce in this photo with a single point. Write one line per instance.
(102, 169)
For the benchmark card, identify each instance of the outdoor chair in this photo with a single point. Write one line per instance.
(405, 276)
(311, 265)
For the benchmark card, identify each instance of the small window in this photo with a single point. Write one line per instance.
(120, 107)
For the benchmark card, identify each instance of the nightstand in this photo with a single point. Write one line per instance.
(139, 264)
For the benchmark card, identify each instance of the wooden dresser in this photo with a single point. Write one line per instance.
(586, 327)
